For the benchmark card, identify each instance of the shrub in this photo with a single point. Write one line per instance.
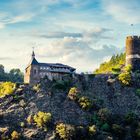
(92, 130)
(128, 68)
(15, 135)
(105, 127)
(104, 114)
(73, 93)
(41, 118)
(65, 131)
(36, 88)
(85, 103)
(7, 88)
(125, 78)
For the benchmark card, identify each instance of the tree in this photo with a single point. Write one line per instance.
(15, 75)
(1, 69)
(2, 73)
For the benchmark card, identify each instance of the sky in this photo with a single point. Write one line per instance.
(79, 33)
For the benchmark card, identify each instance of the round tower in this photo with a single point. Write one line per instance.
(133, 52)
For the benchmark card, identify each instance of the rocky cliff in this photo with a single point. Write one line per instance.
(104, 91)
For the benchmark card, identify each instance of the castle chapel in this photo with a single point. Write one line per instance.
(35, 71)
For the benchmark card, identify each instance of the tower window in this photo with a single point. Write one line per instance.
(35, 71)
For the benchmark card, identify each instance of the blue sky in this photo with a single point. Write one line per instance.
(80, 33)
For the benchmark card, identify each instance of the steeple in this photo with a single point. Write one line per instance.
(33, 54)
(33, 59)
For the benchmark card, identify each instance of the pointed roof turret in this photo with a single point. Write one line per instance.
(33, 60)
(33, 54)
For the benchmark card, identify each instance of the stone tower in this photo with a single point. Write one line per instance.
(32, 71)
(133, 52)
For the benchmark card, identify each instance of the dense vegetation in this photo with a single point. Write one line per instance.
(113, 65)
(15, 75)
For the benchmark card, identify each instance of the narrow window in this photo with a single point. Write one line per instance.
(35, 71)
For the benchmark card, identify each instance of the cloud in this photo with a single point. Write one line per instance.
(5, 58)
(2, 25)
(77, 53)
(94, 34)
(20, 18)
(59, 35)
(7, 19)
(123, 10)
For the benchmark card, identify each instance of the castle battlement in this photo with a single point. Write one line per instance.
(133, 37)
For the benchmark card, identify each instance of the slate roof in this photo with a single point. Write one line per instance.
(35, 62)
(56, 65)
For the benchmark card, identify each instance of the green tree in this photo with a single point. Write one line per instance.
(15, 75)
(3, 75)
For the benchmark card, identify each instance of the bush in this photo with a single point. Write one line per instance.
(36, 88)
(92, 130)
(41, 118)
(7, 88)
(104, 114)
(128, 68)
(85, 103)
(105, 127)
(15, 135)
(73, 93)
(65, 131)
(125, 78)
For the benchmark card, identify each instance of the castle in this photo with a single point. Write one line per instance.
(35, 71)
(133, 52)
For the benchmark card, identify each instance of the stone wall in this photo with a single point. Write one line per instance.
(116, 97)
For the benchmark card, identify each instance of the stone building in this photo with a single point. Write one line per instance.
(133, 52)
(35, 71)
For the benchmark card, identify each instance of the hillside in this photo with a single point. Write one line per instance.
(98, 107)
(115, 63)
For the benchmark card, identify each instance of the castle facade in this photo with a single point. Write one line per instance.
(35, 71)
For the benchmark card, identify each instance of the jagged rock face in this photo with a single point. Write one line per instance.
(29, 103)
(117, 98)
(15, 108)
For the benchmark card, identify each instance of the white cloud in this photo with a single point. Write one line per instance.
(20, 18)
(93, 35)
(123, 10)
(75, 52)
(6, 19)
(2, 25)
